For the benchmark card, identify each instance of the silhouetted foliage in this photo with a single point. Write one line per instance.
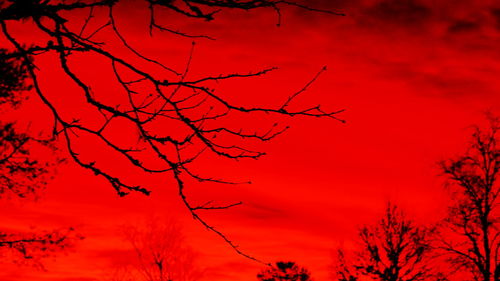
(282, 270)
(471, 237)
(31, 248)
(19, 172)
(13, 78)
(392, 249)
(155, 95)
(22, 174)
(162, 254)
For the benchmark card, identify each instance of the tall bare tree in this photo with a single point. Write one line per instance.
(471, 237)
(162, 253)
(151, 96)
(395, 248)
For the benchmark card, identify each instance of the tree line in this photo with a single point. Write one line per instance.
(465, 245)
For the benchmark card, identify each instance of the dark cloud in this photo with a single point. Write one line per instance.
(464, 26)
(421, 16)
(400, 12)
(439, 80)
(495, 13)
(449, 86)
(260, 211)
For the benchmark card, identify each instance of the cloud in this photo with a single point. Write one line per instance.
(259, 211)
(396, 12)
(420, 17)
(464, 26)
(495, 13)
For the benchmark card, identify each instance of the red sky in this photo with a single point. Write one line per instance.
(413, 77)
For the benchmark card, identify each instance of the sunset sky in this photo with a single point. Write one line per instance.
(412, 75)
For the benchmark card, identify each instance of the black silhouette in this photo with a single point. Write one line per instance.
(21, 174)
(192, 111)
(31, 248)
(393, 249)
(471, 237)
(162, 253)
(282, 270)
(22, 177)
(13, 79)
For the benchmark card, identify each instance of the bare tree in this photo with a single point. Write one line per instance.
(471, 237)
(392, 249)
(152, 95)
(282, 270)
(162, 253)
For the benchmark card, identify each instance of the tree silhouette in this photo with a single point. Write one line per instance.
(282, 270)
(22, 174)
(13, 80)
(151, 95)
(392, 249)
(31, 248)
(162, 253)
(472, 235)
